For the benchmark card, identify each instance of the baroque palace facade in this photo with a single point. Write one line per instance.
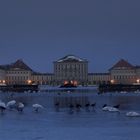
(69, 69)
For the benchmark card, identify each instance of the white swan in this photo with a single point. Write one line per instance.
(2, 106)
(20, 107)
(110, 109)
(113, 109)
(37, 107)
(132, 114)
(11, 104)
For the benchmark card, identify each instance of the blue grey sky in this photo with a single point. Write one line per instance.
(42, 31)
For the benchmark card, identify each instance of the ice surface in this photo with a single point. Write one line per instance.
(50, 124)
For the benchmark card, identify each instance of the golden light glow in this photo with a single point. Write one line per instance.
(65, 82)
(29, 81)
(75, 83)
(138, 80)
(2, 82)
(112, 81)
(71, 82)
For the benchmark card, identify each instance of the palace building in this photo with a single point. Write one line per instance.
(69, 69)
(124, 73)
(17, 73)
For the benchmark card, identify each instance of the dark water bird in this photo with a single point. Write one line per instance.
(117, 106)
(71, 107)
(78, 106)
(104, 105)
(87, 105)
(93, 106)
(57, 104)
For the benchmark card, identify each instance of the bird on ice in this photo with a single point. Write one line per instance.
(11, 104)
(132, 114)
(2, 106)
(37, 107)
(110, 108)
(20, 107)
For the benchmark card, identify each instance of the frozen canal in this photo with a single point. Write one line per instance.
(49, 124)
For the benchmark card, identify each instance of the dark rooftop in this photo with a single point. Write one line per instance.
(122, 64)
(18, 64)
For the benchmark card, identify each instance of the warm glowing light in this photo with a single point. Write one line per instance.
(0, 81)
(29, 81)
(65, 82)
(71, 82)
(138, 80)
(75, 83)
(112, 81)
(3, 81)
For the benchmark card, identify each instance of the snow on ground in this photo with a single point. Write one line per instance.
(84, 125)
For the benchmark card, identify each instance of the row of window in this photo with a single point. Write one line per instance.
(17, 78)
(99, 78)
(124, 77)
(65, 66)
(71, 77)
(17, 72)
(42, 78)
(68, 72)
(124, 71)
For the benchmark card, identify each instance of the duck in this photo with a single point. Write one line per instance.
(132, 114)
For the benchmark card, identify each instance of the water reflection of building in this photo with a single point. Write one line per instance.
(69, 68)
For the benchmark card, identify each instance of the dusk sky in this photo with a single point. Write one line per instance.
(42, 31)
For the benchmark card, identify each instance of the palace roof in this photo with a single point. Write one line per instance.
(19, 64)
(122, 64)
(71, 58)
